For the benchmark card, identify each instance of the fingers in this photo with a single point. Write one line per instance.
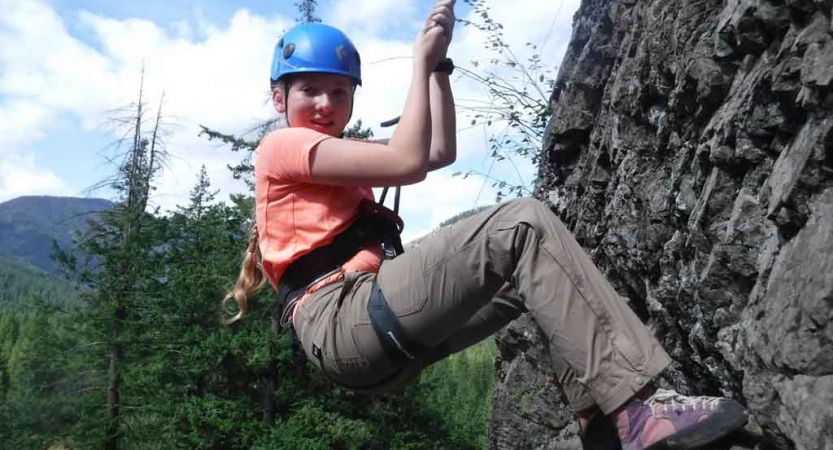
(432, 42)
(444, 20)
(442, 15)
(435, 30)
(437, 27)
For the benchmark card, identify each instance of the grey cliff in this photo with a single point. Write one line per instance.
(691, 153)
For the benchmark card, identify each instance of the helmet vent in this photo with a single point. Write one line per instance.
(288, 50)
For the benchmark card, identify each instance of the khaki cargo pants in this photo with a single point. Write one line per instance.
(469, 280)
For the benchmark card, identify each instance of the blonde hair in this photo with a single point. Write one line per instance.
(251, 277)
(250, 280)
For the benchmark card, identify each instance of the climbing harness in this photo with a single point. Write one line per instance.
(375, 225)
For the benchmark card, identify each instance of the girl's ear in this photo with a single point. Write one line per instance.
(278, 101)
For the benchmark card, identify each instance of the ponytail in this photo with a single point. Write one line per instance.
(250, 280)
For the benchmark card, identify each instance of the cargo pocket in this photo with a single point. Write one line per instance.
(311, 321)
(402, 281)
(357, 355)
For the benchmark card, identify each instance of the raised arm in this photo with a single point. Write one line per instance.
(406, 157)
(443, 123)
(443, 115)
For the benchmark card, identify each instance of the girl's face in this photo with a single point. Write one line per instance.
(320, 101)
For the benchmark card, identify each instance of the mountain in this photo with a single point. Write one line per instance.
(28, 225)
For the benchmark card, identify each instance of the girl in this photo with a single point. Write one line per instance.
(372, 324)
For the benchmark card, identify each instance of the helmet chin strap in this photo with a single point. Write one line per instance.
(286, 105)
(352, 102)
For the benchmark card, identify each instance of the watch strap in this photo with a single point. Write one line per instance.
(446, 65)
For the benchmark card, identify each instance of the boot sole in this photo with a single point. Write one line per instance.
(731, 417)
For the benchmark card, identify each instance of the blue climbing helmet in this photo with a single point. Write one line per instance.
(315, 47)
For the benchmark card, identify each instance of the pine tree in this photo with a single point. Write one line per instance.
(124, 241)
(8, 337)
(200, 381)
(40, 401)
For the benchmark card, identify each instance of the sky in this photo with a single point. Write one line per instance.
(68, 66)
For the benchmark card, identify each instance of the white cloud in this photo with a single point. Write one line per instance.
(21, 121)
(216, 76)
(47, 66)
(20, 176)
(219, 81)
(372, 16)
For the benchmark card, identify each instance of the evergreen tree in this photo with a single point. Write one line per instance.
(125, 243)
(201, 382)
(356, 131)
(40, 401)
(8, 338)
(24, 288)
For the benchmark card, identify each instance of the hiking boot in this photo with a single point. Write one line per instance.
(668, 420)
(599, 434)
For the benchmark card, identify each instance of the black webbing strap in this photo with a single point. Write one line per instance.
(323, 260)
(317, 263)
(392, 229)
(397, 346)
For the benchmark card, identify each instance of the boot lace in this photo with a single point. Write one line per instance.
(664, 400)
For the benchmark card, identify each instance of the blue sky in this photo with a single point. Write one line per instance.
(65, 65)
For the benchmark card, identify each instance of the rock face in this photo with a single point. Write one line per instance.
(691, 153)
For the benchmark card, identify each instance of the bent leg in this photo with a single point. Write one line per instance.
(438, 287)
(505, 307)
(488, 320)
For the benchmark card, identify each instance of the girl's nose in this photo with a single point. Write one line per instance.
(323, 103)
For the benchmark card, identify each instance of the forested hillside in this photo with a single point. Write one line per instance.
(144, 360)
(24, 287)
(189, 380)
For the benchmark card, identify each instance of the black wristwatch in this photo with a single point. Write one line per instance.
(445, 66)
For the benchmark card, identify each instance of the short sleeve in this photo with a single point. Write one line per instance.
(285, 153)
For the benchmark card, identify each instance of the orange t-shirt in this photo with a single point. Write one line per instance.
(295, 215)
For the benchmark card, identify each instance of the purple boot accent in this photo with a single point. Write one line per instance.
(668, 420)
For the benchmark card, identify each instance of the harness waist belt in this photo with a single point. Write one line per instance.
(376, 224)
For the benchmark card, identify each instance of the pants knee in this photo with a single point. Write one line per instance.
(531, 211)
